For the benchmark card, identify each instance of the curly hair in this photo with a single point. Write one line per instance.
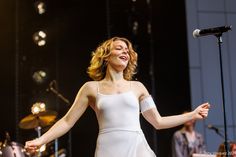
(222, 152)
(97, 68)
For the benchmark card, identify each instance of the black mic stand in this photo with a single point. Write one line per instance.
(217, 131)
(226, 143)
(59, 95)
(220, 134)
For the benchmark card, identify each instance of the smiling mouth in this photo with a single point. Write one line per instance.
(124, 58)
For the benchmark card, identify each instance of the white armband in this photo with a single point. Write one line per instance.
(147, 103)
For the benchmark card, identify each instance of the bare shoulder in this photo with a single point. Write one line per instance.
(138, 85)
(139, 89)
(90, 84)
(89, 87)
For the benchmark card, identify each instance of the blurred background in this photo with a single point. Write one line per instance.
(46, 47)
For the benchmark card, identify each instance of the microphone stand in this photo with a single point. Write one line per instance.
(219, 38)
(217, 131)
(220, 134)
(59, 95)
(38, 129)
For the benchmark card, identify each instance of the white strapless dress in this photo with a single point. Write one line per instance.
(120, 134)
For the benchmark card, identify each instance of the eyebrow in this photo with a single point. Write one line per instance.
(121, 46)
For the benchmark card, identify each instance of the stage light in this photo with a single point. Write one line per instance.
(135, 27)
(35, 110)
(39, 76)
(39, 38)
(38, 107)
(40, 7)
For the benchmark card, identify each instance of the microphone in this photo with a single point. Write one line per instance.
(211, 31)
(55, 91)
(50, 86)
(213, 128)
(217, 130)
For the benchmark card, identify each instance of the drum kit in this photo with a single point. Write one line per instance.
(35, 121)
(38, 120)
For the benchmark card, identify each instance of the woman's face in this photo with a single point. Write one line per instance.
(233, 151)
(119, 56)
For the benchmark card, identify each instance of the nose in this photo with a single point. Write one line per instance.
(125, 51)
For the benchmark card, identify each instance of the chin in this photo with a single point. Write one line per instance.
(124, 66)
(121, 68)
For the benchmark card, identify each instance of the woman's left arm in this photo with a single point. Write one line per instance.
(153, 117)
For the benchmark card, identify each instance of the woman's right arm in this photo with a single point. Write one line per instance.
(66, 123)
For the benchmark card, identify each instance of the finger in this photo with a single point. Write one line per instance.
(30, 147)
(205, 105)
(30, 143)
(31, 150)
(204, 115)
(204, 111)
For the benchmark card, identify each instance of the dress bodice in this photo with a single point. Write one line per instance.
(118, 112)
(120, 134)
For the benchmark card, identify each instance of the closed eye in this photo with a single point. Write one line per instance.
(122, 48)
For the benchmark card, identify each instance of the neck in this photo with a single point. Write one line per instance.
(189, 129)
(113, 76)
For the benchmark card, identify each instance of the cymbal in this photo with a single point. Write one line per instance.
(41, 119)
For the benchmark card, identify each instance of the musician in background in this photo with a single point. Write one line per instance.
(187, 141)
(232, 148)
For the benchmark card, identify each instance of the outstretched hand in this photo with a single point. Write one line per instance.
(201, 111)
(33, 146)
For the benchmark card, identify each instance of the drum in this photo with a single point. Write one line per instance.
(0, 149)
(13, 149)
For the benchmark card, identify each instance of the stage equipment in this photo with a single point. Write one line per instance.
(217, 131)
(38, 107)
(211, 31)
(40, 76)
(52, 87)
(11, 149)
(218, 32)
(38, 119)
(41, 119)
(39, 38)
(40, 7)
